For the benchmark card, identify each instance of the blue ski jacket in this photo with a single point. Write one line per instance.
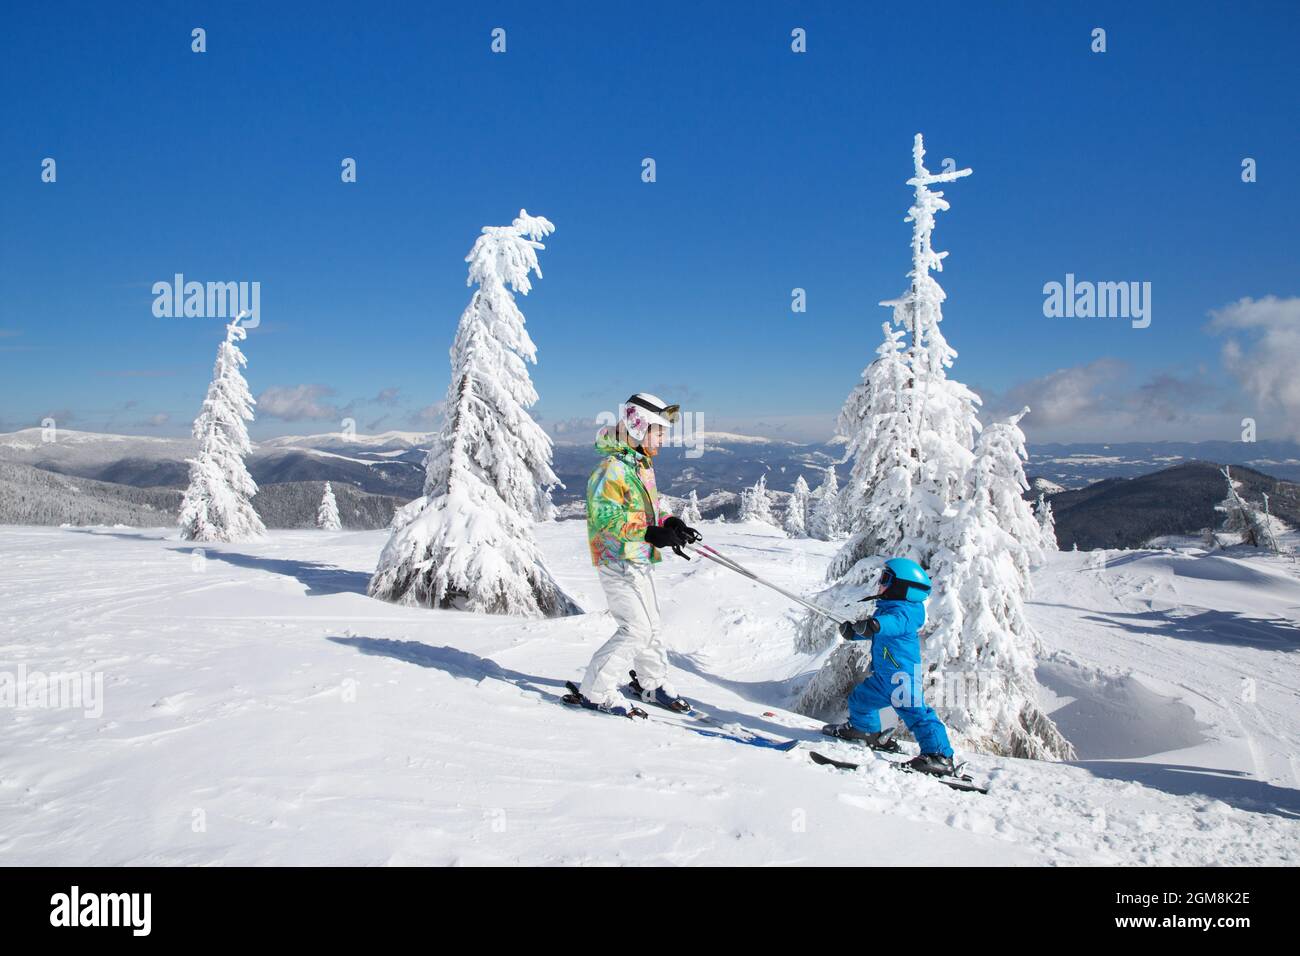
(896, 678)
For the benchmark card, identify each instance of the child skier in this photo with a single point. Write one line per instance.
(896, 678)
(627, 524)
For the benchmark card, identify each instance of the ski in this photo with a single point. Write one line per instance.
(574, 698)
(963, 782)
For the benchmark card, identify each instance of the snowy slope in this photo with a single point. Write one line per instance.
(260, 693)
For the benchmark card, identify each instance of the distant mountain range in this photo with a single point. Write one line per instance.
(393, 463)
(34, 496)
(390, 464)
(1129, 512)
(1094, 504)
(1077, 465)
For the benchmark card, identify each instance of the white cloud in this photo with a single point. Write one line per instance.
(296, 403)
(1066, 396)
(1102, 400)
(1264, 353)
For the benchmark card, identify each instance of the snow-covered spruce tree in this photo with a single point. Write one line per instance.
(978, 647)
(1046, 523)
(756, 503)
(468, 542)
(1272, 526)
(824, 521)
(327, 515)
(217, 505)
(691, 511)
(1003, 447)
(1245, 519)
(916, 430)
(879, 421)
(796, 510)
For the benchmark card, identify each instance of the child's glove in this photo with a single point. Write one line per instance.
(853, 630)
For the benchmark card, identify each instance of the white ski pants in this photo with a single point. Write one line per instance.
(630, 591)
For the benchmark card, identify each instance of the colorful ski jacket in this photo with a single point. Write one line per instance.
(622, 502)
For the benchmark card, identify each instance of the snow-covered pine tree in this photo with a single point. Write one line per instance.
(1046, 523)
(756, 503)
(469, 542)
(327, 515)
(916, 429)
(916, 490)
(978, 646)
(217, 505)
(691, 512)
(879, 421)
(824, 520)
(1271, 526)
(1243, 518)
(796, 510)
(942, 410)
(1003, 447)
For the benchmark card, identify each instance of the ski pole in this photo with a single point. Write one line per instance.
(706, 552)
(730, 561)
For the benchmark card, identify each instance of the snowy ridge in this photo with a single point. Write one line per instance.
(389, 440)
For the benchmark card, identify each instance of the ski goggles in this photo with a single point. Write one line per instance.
(888, 577)
(659, 415)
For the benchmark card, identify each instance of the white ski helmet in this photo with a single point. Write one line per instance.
(643, 410)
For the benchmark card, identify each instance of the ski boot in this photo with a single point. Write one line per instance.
(658, 697)
(936, 765)
(574, 698)
(883, 741)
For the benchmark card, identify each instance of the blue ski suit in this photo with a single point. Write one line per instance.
(896, 678)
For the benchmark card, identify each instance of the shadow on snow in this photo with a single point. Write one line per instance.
(319, 579)
(453, 661)
(1233, 787)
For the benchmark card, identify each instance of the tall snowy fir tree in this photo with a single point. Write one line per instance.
(1046, 523)
(978, 646)
(796, 510)
(218, 505)
(911, 431)
(468, 542)
(691, 511)
(1245, 519)
(327, 515)
(879, 421)
(756, 503)
(824, 520)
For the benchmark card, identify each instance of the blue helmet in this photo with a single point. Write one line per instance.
(905, 580)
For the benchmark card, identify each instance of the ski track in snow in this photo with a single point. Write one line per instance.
(259, 709)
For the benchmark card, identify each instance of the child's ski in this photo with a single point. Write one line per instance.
(962, 782)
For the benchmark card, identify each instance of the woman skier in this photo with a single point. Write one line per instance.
(627, 523)
(896, 679)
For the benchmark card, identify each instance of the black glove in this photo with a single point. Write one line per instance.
(689, 534)
(664, 537)
(852, 630)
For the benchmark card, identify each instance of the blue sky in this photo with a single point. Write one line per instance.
(775, 170)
